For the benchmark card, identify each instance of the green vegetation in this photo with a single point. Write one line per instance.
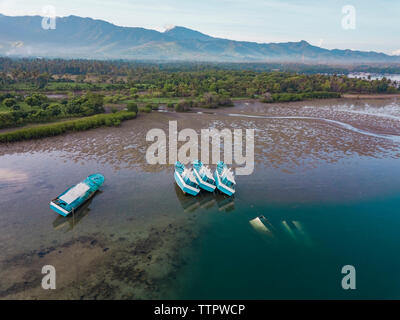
(115, 98)
(148, 82)
(214, 100)
(132, 107)
(36, 99)
(38, 108)
(148, 98)
(9, 102)
(111, 70)
(58, 128)
(145, 109)
(182, 106)
(208, 100)
(287, 97)
(43, 90)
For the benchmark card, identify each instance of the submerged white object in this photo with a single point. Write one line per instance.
(259, 225)
(76, 192)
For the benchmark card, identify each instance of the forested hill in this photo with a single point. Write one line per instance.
(76, 37)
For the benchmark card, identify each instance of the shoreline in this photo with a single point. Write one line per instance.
(59, 128)
(370, 96)
(288, 106)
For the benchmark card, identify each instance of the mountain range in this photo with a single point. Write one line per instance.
(77, 37)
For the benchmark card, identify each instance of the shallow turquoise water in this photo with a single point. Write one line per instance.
(356, 222)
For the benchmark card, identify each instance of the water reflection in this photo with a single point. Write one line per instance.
(12, 176)
(225, 203)
(281, 230)
(205, 200)
(70, 222)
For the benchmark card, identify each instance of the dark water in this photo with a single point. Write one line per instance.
(331, 197)
(316, 228)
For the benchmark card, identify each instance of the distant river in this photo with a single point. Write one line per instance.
(374, 76)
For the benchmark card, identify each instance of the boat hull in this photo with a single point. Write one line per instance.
(92, 184)
(204, 185)
(184, 187)
(64, 212)
(222, 187)
(58, 209)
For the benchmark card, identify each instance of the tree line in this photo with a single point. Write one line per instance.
(175, 80)
(37, 107)
(124, 67)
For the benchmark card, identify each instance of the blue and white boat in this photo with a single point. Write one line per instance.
(224, 179)
(74, 197)
(203, 176)
(185, 179)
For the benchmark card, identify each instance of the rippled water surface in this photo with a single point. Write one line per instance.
(326, 178)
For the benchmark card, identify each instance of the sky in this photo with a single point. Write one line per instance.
(370, 25)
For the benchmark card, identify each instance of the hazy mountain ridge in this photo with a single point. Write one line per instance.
(76, 37)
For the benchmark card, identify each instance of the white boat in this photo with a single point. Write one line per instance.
(225, 179)
(185, 179)
(203, 176)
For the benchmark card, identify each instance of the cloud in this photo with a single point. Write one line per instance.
(10, 175)
(396, 52)
(168, 27)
